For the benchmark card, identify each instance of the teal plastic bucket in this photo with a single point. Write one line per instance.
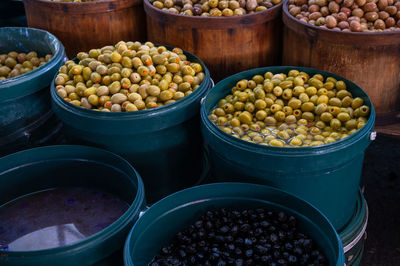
(164, 219)
(25, 99)
(326, 176)
(73, 166)
(164, 144)
(353, 236)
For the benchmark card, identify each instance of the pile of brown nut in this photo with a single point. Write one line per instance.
(348, 15)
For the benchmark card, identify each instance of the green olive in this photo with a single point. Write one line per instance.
(117, 75)
(266, 108)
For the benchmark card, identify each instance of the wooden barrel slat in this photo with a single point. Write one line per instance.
(226, 45)
(87, 25)
(371, 60)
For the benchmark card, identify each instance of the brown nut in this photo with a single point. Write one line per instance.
(358, 12)
(313, 8)
(390, 22)
(315, 16)
(346, 10)
(371, 16)
(251, 4)
(361, 3)
(320, 21)
(379, 24)
(392, 10)
(343, 25)
(333, 7)
(382, 4)
(295, 11)
(342, 16)
(324, 11)
(304, 20)
(383, 15)
(348, 3)
(355, 26)
(370, 7)
(350, 19)
(331, 22)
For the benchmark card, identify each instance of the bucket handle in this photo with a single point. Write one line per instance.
(359, 236)
(143, 211)
(372, 136)
(212, 85)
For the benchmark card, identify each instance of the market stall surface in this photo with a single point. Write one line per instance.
(381, 178)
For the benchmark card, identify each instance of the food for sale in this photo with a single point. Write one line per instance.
(214, 8)
(242, 237)
(349, 15)
(290, 110)
(14, 64)
(129, 76)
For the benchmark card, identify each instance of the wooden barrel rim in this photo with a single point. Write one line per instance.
(212, 22)
(102, 6)
(339, 37)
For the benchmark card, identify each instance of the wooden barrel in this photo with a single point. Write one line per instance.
(371, 60)
(87, 25)
(227, 45)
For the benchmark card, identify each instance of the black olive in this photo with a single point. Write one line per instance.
(245, 237)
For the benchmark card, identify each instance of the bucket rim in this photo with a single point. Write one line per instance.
(10, 83)
(239, 185)
(57, 152)
(368, 128)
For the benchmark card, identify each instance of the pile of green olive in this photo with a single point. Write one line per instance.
(129, 76)
(290, 110)
(214, 8)
(14, 64)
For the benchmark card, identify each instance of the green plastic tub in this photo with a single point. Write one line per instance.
(326, 176)
(164, 144)
(67, 166)
(163, 220)
(353, 236)
(26, 119)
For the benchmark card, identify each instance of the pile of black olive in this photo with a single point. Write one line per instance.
(241, 237)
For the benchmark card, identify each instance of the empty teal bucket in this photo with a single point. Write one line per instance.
(326, 176)
(158, 225)
(26, 118)
(73, 166)
(164, 144)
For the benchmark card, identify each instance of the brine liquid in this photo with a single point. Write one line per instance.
(56, 217)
